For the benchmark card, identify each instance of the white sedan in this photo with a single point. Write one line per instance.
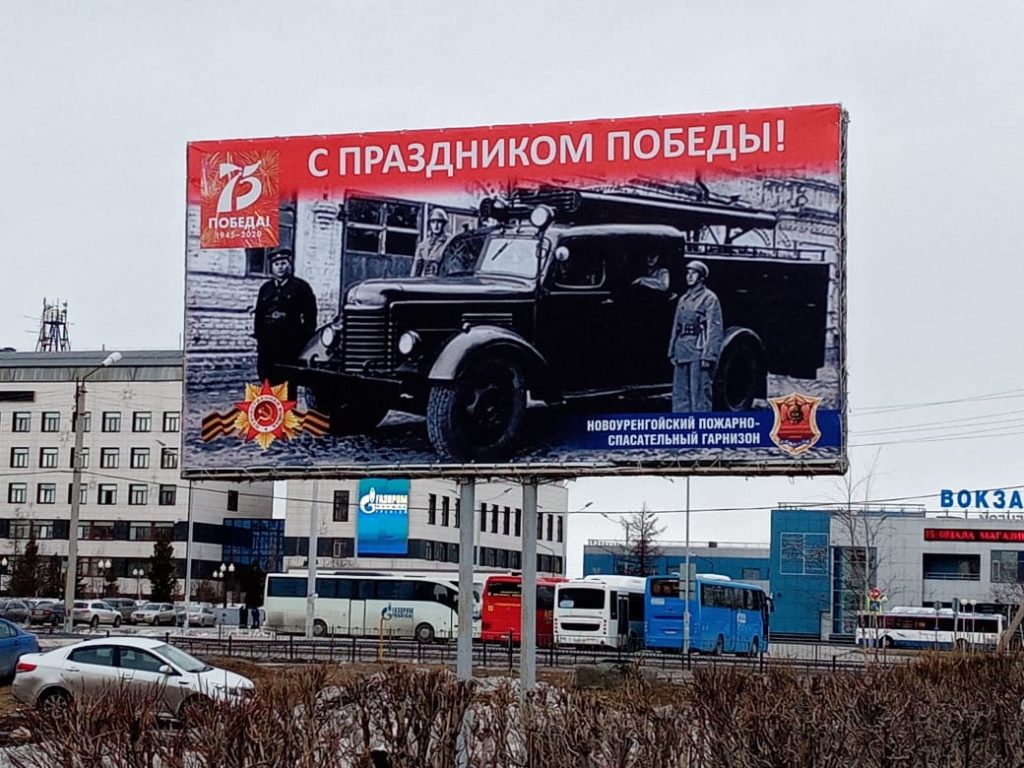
(184, 684)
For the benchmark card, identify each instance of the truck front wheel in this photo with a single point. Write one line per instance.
(348, 417)
(741, 374)
(479, 415)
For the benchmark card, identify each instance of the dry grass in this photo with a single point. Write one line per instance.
(938, 711)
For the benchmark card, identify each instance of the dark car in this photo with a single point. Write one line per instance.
(14, 610)
(548, 302)
(47, 612)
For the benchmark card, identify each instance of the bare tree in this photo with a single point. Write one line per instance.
(642, 530)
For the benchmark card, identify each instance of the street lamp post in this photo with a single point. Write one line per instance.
(76, 496)
(102, 566)
(222, 574)
(4, 562)
(138, 573)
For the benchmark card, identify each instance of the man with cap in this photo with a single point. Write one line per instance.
(428, 253)
(285, 318)
(696, 342)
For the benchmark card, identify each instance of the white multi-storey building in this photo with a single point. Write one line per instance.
(131, 487)
(434, 513)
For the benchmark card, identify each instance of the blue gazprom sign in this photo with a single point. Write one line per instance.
(382, 518)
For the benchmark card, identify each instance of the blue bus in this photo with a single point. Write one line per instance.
(725, 616)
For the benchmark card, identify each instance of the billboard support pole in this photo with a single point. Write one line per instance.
(528, 634)
(188, 557)
(314, 529)
(686, 577)
(467, 503)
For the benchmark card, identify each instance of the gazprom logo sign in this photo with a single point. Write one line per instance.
(382, 522)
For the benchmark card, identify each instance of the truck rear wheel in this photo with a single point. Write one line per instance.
(348, 417)
(479, 415)
(741, 374)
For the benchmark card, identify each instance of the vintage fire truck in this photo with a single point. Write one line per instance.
(543, 301)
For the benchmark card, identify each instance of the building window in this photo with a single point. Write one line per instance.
(48, 458)
(107, 494)
(111, 421)
(551, 525)
(557, 564)
(494, 519)
(17, 493)
(140, 458)
(561, 528)
(803, 554)
(110, 458)
(338, 549)
(256, 258)
(428, 550)
(138, 494)
(96, 531)
(951, 567)
(339, 509)
(515, 560)
(22, 421)
(83, 493)
(232, 501)
(446, 513)
(172, 421)
(85, 458)
(46, 493)
(506, 521)
(28, 529)
(148, 531)
(168, 494)
(382, 227)
(519, 523)
(86, 422)
(1006, 566)
(432, 509)
(19, 458)
(142, 421)
(458, 514)
(168, 458)
(483, 518)
(50, 421)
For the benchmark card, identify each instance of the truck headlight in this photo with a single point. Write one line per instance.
(327, 336)
(407, 342)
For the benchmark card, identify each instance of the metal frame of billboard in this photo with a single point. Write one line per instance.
(203, 419)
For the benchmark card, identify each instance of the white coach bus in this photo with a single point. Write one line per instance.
(418, 606)
(606, 611)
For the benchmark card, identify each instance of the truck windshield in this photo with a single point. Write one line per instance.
(481, 254)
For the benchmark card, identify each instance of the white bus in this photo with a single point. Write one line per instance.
(419, 606)
(605, 611)
(904, 627)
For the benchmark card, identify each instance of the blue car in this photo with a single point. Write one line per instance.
(14, 642)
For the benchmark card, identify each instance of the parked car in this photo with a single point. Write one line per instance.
(123, 605)
(47, 612)
(94, 613)
(14, 610)
(140, 663)
(198, 616)
(14, 643)
(155, 614)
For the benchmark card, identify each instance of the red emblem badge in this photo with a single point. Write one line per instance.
(265, 415)
(796, 424)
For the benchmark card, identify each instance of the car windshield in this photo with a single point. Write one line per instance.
(152, 607)
(181, 659)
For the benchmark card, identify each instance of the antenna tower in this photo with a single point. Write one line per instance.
(53, 328)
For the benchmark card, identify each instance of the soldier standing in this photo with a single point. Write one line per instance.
(285, 319)
(428, 253)
(696, 342)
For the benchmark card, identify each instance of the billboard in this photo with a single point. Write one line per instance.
(626, 296)
(382, 518)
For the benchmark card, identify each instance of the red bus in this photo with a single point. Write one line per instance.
(501, 609)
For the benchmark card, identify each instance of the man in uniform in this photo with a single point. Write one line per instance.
(696, 342)
(285, 319)
(427, 260)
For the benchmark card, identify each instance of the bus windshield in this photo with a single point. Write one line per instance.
(584, 598)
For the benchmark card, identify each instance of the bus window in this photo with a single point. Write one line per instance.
(286, 587)
(636, 606)
(365, 589)
(545, 598)
(665, 588)
(326, 588)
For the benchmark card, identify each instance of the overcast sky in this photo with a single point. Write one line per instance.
(98, 100)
